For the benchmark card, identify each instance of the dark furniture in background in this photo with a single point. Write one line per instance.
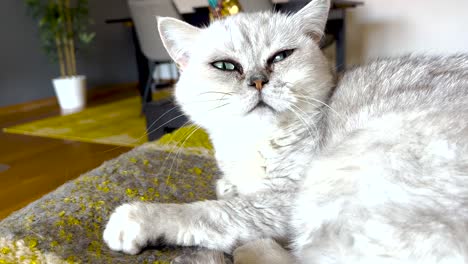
(143, 67)
(162, 117)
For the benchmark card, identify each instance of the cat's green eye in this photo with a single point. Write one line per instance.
(224, 65)
(280, 56)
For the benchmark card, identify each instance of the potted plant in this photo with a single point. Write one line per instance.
(63, 24)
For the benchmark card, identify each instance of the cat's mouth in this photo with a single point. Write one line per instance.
(261, 106)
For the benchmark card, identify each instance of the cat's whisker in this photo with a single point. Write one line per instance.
(302, 120)
(165, 123)
(207, 101)
(216, 92)
(306, 101)
(181, 147)
(176, 146)
(218, 107)
(306, 97)
(320, 102)
(161, 116)
(313, 104)
(147, 131)
(304, 116)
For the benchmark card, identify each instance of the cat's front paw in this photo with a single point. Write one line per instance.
(124, 231)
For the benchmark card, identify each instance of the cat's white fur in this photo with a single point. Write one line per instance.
(373, 170)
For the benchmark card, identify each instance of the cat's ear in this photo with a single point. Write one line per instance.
(177, 37)
(313, 17)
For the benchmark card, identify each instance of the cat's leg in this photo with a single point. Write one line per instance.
(216, 224)
(262, 251)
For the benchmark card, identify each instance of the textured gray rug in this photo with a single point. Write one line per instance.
(66, 225)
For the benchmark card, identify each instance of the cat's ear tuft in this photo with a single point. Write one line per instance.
(177, 37)
(313, 18)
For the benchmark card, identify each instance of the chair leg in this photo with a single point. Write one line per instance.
(147, 96)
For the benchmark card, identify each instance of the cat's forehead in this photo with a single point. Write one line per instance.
(252, 32)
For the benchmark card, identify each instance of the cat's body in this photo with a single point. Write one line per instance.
(372, 170)
(390, 184)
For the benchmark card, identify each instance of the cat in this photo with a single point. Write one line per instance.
(368, 168)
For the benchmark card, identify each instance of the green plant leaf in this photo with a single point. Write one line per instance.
(87, 38)
(52, 23)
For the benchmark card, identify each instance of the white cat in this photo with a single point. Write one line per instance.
(372, 169)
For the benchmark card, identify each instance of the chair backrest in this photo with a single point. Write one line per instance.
(143, 13)
(256, 5)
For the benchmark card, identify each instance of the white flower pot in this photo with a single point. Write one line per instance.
(71, 93)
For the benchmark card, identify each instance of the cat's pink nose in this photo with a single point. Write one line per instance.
(258, 84)
(258, 81)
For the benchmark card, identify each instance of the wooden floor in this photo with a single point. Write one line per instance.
(33, 166)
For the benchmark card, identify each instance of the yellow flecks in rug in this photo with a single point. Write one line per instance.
(156, 181)
(5, 250)
(156, 262)
(72, 220)
(104, 186)
(168, 179)
(54, 243)
(29, 220)
(97, 205)
(32, 242)
(150, 195)
(65, 236)
(131, 192)
(196, 170)
(59, 223)
(95, 247)
(133, 160)
(170, 184)
(146, 162)
(71, 259)
(25, 252)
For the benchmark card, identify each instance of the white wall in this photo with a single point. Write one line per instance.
(382, 28)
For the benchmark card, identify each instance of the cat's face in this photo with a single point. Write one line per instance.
(250, 67)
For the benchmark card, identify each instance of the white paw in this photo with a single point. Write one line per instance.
(124, 230)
